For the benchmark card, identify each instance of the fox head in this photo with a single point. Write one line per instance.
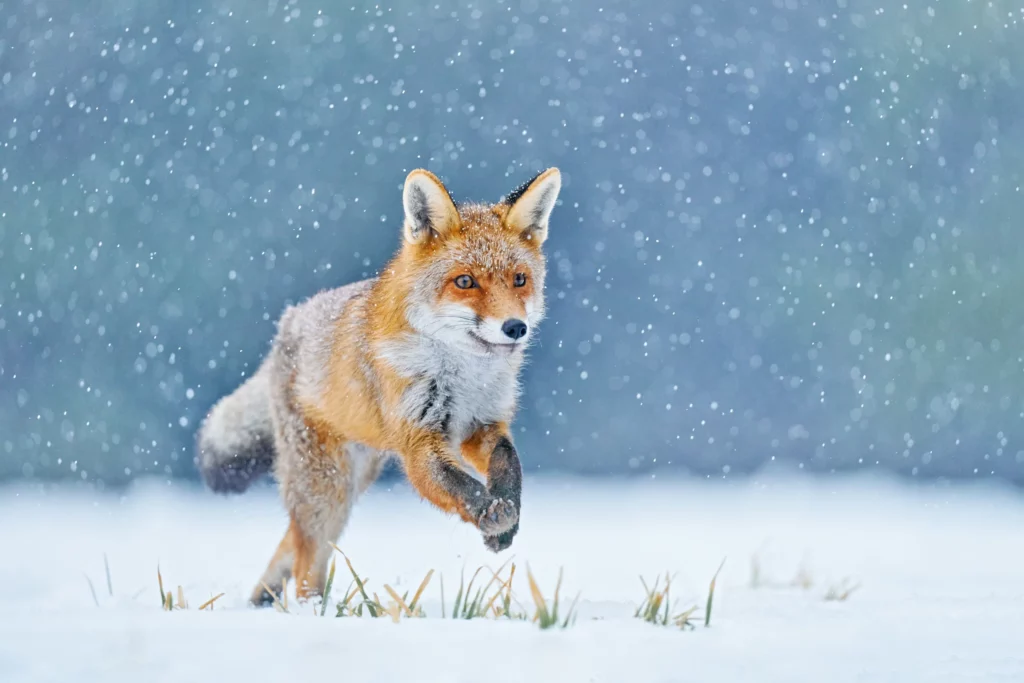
(475, 272)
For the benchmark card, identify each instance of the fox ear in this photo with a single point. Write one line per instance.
(531, 203)
(429, 209)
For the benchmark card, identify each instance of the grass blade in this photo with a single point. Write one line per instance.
(273, 596)
(683, 621)
(472, 609)
(160, 582)
(507, 607)
(547, 616)
(495, 577)
(209, 603)
(711, 595)
(441, 578)
(507, 584)
(398, 599)
(554, 604)
(419, 592)
(538, 599)
(327, 589)
(110, 584)
(458, 596)
(841, 592)
(92, 590)
(359, 583)
(350, 593)
(570, 616)
(668, 601)
(466, 605)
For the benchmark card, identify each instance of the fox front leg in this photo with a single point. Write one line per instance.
(490, 512)
(505, 482)
(490, 451)
(436, 475)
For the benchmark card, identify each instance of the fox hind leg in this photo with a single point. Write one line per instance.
(303, 554)
(313, 547)
(315, 477)
(323, 506)
(278, 570)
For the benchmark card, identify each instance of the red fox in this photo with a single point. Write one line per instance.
(420, 363)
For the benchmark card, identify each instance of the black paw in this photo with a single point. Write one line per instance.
(502, 541)
(262, 598)
(499, 517)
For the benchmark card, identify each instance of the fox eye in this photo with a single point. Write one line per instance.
(465, 282)
(520, 279)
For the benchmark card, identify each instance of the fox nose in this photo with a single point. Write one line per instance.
(514, 328)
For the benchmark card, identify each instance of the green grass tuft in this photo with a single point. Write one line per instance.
(545, 616)
(373, 607)
(656, 605)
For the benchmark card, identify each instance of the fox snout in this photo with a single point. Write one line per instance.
(504, 334)
(514, 329)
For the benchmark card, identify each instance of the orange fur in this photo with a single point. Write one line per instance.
(477, 449)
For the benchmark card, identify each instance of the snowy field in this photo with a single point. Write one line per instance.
(941, 571)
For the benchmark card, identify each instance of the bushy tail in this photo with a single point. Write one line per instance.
(235, 444)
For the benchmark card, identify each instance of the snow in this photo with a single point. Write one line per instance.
(941, 597)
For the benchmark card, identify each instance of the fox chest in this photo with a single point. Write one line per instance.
(456, 404)
(454, 394)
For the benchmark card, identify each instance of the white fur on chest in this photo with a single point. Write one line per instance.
(452, 390)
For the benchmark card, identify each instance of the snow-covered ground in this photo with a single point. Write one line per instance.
(941, 572)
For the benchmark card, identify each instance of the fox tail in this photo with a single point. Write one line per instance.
(235, 443)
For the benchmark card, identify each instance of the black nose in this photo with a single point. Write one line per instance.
(514, 329)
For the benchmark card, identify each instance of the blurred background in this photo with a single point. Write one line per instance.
(789, 230)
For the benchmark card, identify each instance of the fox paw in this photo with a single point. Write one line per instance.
(501, 541)
(500, 516)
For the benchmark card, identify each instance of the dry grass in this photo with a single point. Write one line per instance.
(167, 598)
(481, 598)
(547, 617)
(758, 579)
(656, 607)
(495, 600)
(209, 603)
(802, 579)
(280, 602)
(841, 591)
(396, 608)
(492, 599)
(110, 583)
(482, 604)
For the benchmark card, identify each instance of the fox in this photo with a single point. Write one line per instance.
(419, 364)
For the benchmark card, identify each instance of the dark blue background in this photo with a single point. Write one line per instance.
(789, 230)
